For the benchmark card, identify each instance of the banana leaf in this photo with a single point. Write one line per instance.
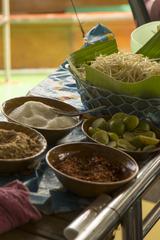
(152, 48)
(147, 88)
(89, 53)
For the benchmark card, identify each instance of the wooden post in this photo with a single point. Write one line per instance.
(6, 39)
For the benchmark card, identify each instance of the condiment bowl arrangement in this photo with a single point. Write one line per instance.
(72, 164)
(51, 135)
(152, 134)
(10, 147)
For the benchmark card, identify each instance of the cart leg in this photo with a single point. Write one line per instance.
(132, 223)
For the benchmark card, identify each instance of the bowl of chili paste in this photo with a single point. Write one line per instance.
(89, 169)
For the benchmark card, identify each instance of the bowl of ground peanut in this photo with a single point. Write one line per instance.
(21, 148)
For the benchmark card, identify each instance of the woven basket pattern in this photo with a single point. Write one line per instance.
(93, 97)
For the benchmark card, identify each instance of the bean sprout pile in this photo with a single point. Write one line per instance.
(126, 67)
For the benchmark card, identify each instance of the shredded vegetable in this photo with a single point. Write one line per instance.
(126, 67)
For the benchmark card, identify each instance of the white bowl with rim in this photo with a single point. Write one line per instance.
(141, 35)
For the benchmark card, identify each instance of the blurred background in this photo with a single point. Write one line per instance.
(36, 36)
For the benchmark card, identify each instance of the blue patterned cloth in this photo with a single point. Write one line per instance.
(60, 85)
(47, 193)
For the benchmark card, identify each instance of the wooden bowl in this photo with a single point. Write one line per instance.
(137, 155)
(51, 135)
(91, 188)
(22, 164)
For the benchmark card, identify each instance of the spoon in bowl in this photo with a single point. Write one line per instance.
(77, 113)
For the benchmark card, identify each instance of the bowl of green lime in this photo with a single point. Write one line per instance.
(135, 136)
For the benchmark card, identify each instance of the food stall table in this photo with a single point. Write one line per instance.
(52, 226)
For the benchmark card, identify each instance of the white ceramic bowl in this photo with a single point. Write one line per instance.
(141, 35)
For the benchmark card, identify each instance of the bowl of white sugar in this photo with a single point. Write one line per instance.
(38, 113)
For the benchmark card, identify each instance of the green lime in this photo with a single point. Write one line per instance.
(136, 141)
(141, 141)
(129, 135)
(131, 122)
(101, 136)
(113, 136)
(149, 134)
(112, 144)
(99, 123)
(124, 144)
(143, 126)
(149, 140)
(117, 126)
(92, 130)
(119, 116)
